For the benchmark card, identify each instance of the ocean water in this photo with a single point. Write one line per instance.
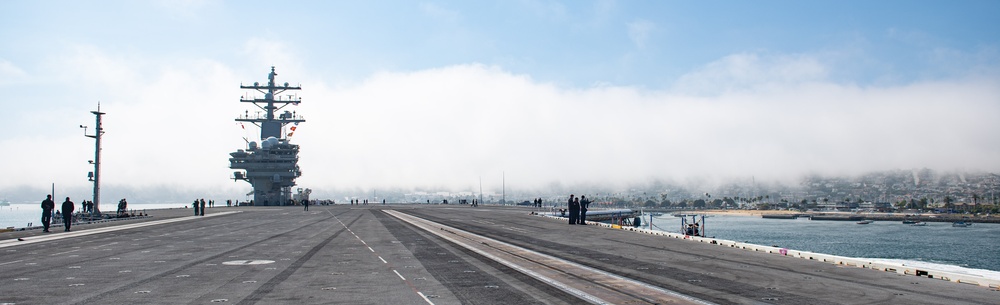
(20, 215)
(937, 244)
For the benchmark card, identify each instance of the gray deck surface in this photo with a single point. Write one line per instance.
(361, 255)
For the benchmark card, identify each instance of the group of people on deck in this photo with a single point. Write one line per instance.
(201, 203)
(122, 207)
(578, 209)
(67, 211)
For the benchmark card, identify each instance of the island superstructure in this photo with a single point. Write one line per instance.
(272, 166)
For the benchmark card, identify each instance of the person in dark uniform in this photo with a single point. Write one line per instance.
(203, 207)
(574, 209)
(67, 211)
(195, 205)
(584, 204)
(47, 206)
(305, 204)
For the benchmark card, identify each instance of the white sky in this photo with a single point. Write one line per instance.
(439, 94)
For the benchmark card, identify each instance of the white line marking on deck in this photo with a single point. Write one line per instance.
(61, 253)
(425, 298)
(17, 261)
(408, 284)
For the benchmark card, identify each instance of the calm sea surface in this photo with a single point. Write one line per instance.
(977, 246)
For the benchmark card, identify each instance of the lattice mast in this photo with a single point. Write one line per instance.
(269, 125)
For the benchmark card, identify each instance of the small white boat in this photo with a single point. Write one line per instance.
(918, 224)
(866, 221)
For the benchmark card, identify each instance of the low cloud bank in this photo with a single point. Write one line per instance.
(770, 117)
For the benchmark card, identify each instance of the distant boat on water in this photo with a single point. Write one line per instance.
(965, 222)
(866, 221)
(919, 224)
(961, 224)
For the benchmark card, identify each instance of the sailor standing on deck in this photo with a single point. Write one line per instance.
(47, 206)
(574, 209)
(195, 205)
(67, 211)
(202, 207)
(584, 204)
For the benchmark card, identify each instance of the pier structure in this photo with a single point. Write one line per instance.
(272, 166)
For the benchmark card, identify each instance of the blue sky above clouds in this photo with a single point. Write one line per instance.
(438, 93)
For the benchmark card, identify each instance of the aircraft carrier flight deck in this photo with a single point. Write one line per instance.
(421, 254)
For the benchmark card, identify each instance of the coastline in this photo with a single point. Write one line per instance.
(852, 216)
(740, 212)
